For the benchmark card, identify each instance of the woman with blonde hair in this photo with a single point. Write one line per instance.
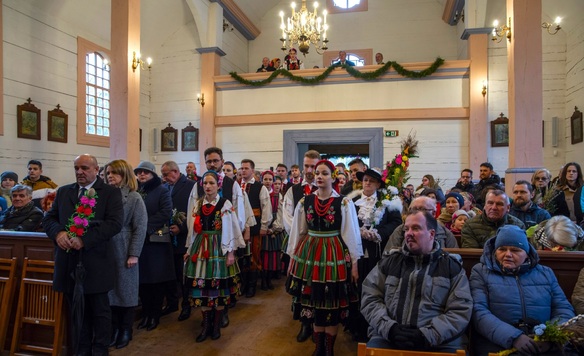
(540, 180)
(126, 248)
(428, 181)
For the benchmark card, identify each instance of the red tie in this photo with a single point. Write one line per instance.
(309, 189)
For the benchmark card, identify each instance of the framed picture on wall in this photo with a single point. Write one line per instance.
(500, 132)
(168, 139)
(28, 119)
(576, 126)
(190, 138)
(57, 121)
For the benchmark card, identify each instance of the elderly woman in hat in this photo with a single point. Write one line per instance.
(379, 213)
(156, 260)
(512, 294)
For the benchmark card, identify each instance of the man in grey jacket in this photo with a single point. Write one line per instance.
(418, 296)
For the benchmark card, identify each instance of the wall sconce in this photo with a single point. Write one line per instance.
(556, 23)
(227, 26)
(501, 31)
(484, 91)
(137, 61)
(201, 99)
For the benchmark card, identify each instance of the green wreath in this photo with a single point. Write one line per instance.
(351, 70)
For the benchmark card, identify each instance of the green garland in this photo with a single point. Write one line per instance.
(351, 70)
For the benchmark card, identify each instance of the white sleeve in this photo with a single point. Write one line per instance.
(299, 227)
(193, 197)
(350, 229)
(238, 203)
(277, 224)
(266, 206)
(288, 210)
(231, 237)
(250, 219)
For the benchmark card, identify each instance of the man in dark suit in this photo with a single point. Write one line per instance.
(180, 188)
(89, 245)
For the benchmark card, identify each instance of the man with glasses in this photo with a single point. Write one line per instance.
(465, 183)
(443, 236)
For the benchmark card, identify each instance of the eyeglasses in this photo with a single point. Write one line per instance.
(543, 179)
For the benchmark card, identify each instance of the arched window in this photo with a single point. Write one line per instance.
(359, 61)
(93, 94)
(361, 57)
(340, 6)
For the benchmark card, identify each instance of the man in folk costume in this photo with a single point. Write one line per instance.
(259, 198)
(379, 213)
(293, 195)
(84, 217)
(229, 190)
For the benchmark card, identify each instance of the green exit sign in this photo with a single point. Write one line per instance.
(391, 133)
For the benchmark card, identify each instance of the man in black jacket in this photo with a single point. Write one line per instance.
(180, 187)
(22, 215)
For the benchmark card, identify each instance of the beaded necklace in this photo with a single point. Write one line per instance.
(321, 210)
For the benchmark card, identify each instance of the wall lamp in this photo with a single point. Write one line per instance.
(556, 23)
(201, 99)
(484, 91)
(137, 61)
(499, 32)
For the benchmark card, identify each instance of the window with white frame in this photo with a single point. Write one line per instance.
(97, 95)
(340, 6)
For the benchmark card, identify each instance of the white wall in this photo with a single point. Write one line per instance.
(574, 89)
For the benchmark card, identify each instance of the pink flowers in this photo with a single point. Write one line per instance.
(398, 159)
(82, 214)
(79, 221)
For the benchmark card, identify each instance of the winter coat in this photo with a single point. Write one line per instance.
(533, 216)
(28, 218)
(440, 303)
(478, 188)
(502, 299)
(443, 236)
(128, 243)
(476, 231)
(157, 260)
(578, 294)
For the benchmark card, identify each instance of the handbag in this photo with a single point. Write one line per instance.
(160, 235)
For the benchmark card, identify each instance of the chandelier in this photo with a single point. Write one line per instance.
(304, 28)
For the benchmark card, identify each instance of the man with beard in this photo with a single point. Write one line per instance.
(478, 230)
(488, 177)
(291, 199)
(523, 207)
(465, 183)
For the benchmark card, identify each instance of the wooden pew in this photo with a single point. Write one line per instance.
(35, 246)
(566, 265)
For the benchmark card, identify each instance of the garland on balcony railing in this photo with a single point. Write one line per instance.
(351, 70)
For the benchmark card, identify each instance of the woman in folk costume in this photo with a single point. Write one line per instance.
(210, 258)
(379, 213)
(272, 242)
(320, 279)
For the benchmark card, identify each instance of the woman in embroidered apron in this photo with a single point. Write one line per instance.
(210, 259)
(319, 279)
(272, 241)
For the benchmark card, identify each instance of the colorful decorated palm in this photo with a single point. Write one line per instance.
(396, 172)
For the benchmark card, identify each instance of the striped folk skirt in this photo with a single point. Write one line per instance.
(320, 279)
(214, 283)
(271, 246)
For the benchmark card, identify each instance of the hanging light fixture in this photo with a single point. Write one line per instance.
(304, 28)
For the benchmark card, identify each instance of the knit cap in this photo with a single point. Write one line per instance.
(511, 235)
(456, 196)
(9, 174)
(459, 213)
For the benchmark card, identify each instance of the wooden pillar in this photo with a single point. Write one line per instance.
(479, 71)
(210, 67)
(524, 64)
(125, 91)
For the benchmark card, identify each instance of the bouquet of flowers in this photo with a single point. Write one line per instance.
(396, 172)
(178, 217)
(569, 334)
(79, 221)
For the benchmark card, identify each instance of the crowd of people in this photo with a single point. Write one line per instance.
(292, 62)
(354, 251)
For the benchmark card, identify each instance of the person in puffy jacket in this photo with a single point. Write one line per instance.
(512, 293)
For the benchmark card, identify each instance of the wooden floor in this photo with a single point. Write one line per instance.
(259, 326)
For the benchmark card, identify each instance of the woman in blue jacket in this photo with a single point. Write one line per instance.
(512, 293)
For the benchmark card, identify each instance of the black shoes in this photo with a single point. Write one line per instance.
(144, 322)
(153, 324)
(114, 339)
(124, 338)
(169, 310)
(224, 318)
(185, 313)
(305, 333)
